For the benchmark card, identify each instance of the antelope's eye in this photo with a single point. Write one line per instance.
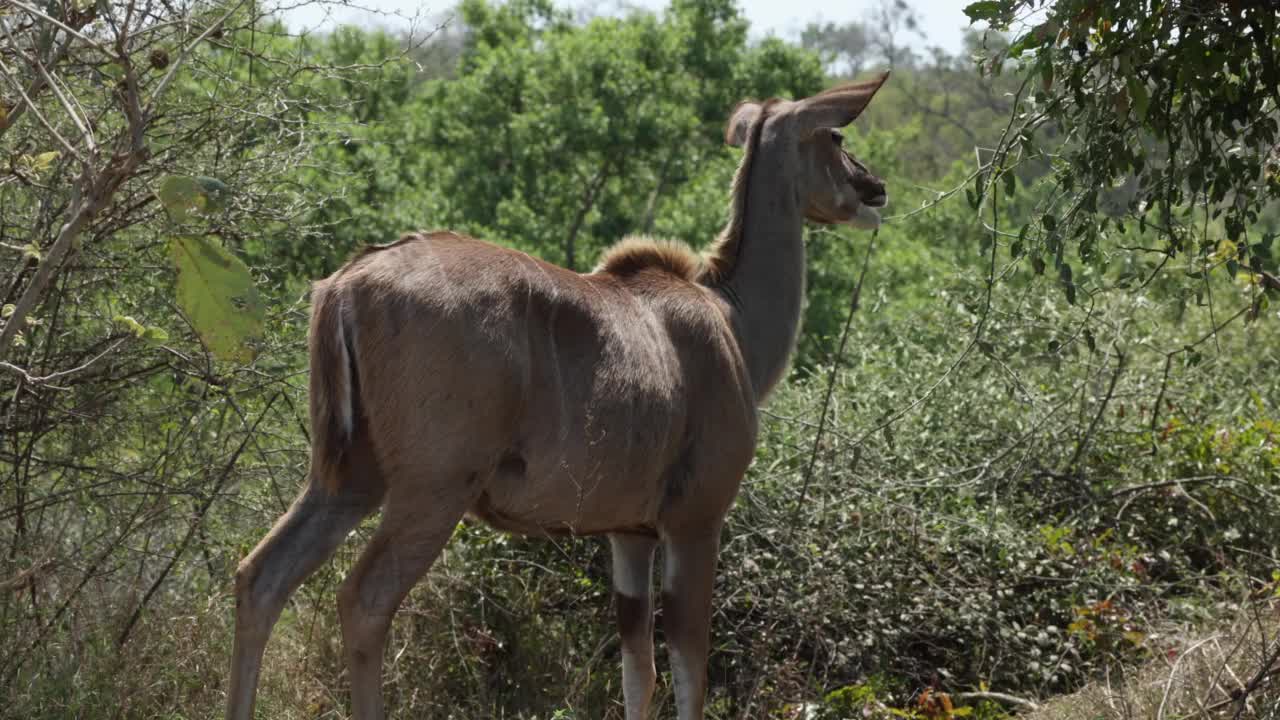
(837, 137)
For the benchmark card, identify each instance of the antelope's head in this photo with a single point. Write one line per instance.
(804, 136)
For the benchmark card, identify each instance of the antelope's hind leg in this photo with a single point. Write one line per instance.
(633, 594)
(301, 540)
(416, 524)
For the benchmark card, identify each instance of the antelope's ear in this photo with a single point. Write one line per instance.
(735, 133)
(837, 107)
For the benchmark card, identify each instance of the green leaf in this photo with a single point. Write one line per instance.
(31, 251)
(1138, 96)
(1010, 182)
(183, 195)
(983, 10)
(8, 310)
(44, 161)
(217, 293)
(130, 324)
(1064, 274)
(215, 194)
(1050, 222)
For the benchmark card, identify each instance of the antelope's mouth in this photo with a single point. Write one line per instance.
(866, 217)
(876, 201)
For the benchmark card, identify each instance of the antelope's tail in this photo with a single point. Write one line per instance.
(333, 388)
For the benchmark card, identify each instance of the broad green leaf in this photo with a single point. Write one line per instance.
(183, 195)
(983, 10)
(178, 193)
(214, 193)
(40, 162)
(138, 330)
(1138, 95)
(130, 324)
(44, 160)
(217, 293)
(1068, 285)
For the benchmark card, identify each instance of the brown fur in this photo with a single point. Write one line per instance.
(638, 253)
(723, 254)
(450, 376)
(330, 384)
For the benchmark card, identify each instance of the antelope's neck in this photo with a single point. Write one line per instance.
(766, 282)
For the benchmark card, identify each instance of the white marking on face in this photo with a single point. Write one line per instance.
(866, 218)
(836, 188)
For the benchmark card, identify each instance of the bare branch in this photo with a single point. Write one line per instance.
(61, 25)
(11, 76)
(47, 379)
(182, 57)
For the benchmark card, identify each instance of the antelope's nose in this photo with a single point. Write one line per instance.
(870, 189)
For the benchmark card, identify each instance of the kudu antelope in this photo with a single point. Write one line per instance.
(450, 376)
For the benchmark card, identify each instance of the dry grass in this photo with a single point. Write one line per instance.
(1233, 672)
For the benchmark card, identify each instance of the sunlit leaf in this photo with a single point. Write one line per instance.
(44, 161)
(130, 324)
(983, 10)
(183, 195)
(216, 291)
(1135, 637)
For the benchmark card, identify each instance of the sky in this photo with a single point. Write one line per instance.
(942, 21)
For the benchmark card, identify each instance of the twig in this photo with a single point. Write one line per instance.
(998, 697)
(854, 301)
(1173, 672)
(1172, 483)
(195, 524)
(1241, 695)
(182, 56)
(11, 76)
(54, 21)
(45, 380)
(1097, 417)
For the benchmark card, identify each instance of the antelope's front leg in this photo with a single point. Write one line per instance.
(633, 595)
(688, 574)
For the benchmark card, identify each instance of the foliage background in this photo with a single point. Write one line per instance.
(1045, 453)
